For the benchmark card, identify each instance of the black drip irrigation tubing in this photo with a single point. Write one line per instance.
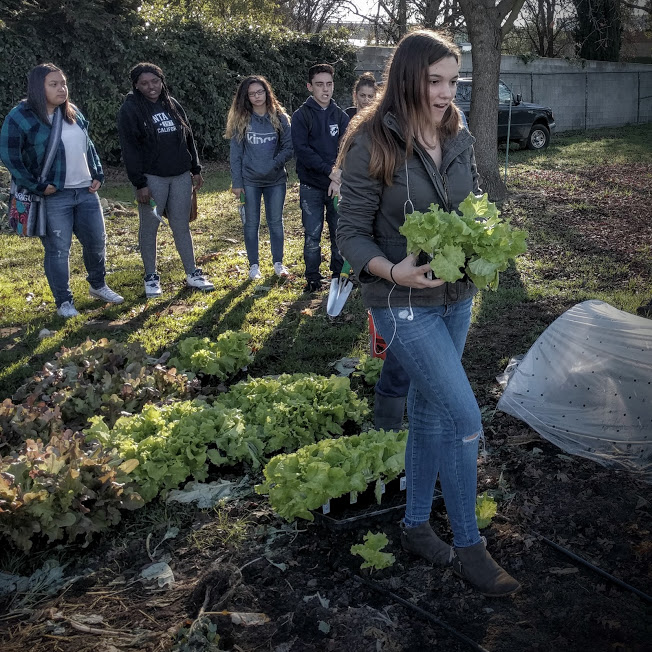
(422, 612)
(599, 571)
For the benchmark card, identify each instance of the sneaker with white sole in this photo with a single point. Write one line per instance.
(67, 310)
(153, 285)
(254, 273)
(281, 270)
(106, 294)
(199, 281)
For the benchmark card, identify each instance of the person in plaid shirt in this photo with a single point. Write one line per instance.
(70, 190)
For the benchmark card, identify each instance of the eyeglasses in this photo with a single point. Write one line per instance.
(257, 93)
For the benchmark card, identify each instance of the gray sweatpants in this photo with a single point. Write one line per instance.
(172, 195)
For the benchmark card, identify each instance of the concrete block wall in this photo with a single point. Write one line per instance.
(582, 94)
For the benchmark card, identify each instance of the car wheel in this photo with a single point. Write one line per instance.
(539, 137)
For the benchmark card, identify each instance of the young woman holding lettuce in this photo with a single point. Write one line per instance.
(408, 153)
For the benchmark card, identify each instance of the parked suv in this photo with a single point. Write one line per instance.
(531, 124)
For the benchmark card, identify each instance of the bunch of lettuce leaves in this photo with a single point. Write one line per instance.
(475, 242)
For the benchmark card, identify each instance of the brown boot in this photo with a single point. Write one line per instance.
(421, 540)
(476, 566)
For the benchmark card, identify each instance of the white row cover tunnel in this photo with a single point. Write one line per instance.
(586, 386)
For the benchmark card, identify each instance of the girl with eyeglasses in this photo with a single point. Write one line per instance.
(261, 145)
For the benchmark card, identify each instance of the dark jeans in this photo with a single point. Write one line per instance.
(313, 201)
(394, 381)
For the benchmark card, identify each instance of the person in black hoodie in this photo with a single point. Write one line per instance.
(317, 127)
(160, 155)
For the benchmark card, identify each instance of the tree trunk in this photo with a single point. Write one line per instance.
(484, 21)
(485, 53)
(402, 18)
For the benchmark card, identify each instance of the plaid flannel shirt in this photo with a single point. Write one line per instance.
(23, 145)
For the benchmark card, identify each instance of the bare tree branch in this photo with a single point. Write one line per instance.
(647, 7)
(511, 13)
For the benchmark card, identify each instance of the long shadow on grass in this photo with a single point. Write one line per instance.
(307, 340)
(113, 322)
(304, 340)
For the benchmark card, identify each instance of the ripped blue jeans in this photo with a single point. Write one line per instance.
(313, 203)
(78, 211)
(445, 422)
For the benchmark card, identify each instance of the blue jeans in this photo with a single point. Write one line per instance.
(313, 201)
(274, 197)
(78, 211)
(445, 422)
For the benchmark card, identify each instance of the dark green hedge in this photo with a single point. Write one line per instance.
(203, 64)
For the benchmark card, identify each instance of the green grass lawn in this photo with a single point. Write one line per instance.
(555, 195)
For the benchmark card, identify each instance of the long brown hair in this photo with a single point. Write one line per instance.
(365, 79)
(36, 94)
(405, 95)
(241, 108)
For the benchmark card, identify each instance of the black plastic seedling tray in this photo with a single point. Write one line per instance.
(343, 515)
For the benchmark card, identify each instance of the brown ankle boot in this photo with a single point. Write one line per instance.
(477, 566)
(421, 540)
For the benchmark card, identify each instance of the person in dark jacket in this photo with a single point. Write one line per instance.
(409, 152)
(159, 152)
(70, 190)
(364, 93)
(317, 127)
(261, 145)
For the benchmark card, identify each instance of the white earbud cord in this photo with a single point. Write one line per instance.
(410, 317)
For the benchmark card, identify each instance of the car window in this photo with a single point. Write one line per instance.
(504, 94)
(463, 93)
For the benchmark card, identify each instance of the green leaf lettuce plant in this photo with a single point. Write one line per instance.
(371, 551)
(475, 242)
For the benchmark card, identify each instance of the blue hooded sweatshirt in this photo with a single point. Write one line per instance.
(316, 134)
(259, 158)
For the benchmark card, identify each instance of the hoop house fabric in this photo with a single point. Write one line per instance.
(586, 386)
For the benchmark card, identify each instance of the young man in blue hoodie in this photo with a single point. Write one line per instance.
(317, 127)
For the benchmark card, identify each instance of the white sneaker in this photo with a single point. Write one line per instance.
(254, 273)
(153, 285)
(106, 294)
(67, 310)
(281, 270)
(198, 280)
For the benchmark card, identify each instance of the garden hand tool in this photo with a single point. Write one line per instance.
(340, 289)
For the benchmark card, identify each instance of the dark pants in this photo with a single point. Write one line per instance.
(313, 201)
(394, 381)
